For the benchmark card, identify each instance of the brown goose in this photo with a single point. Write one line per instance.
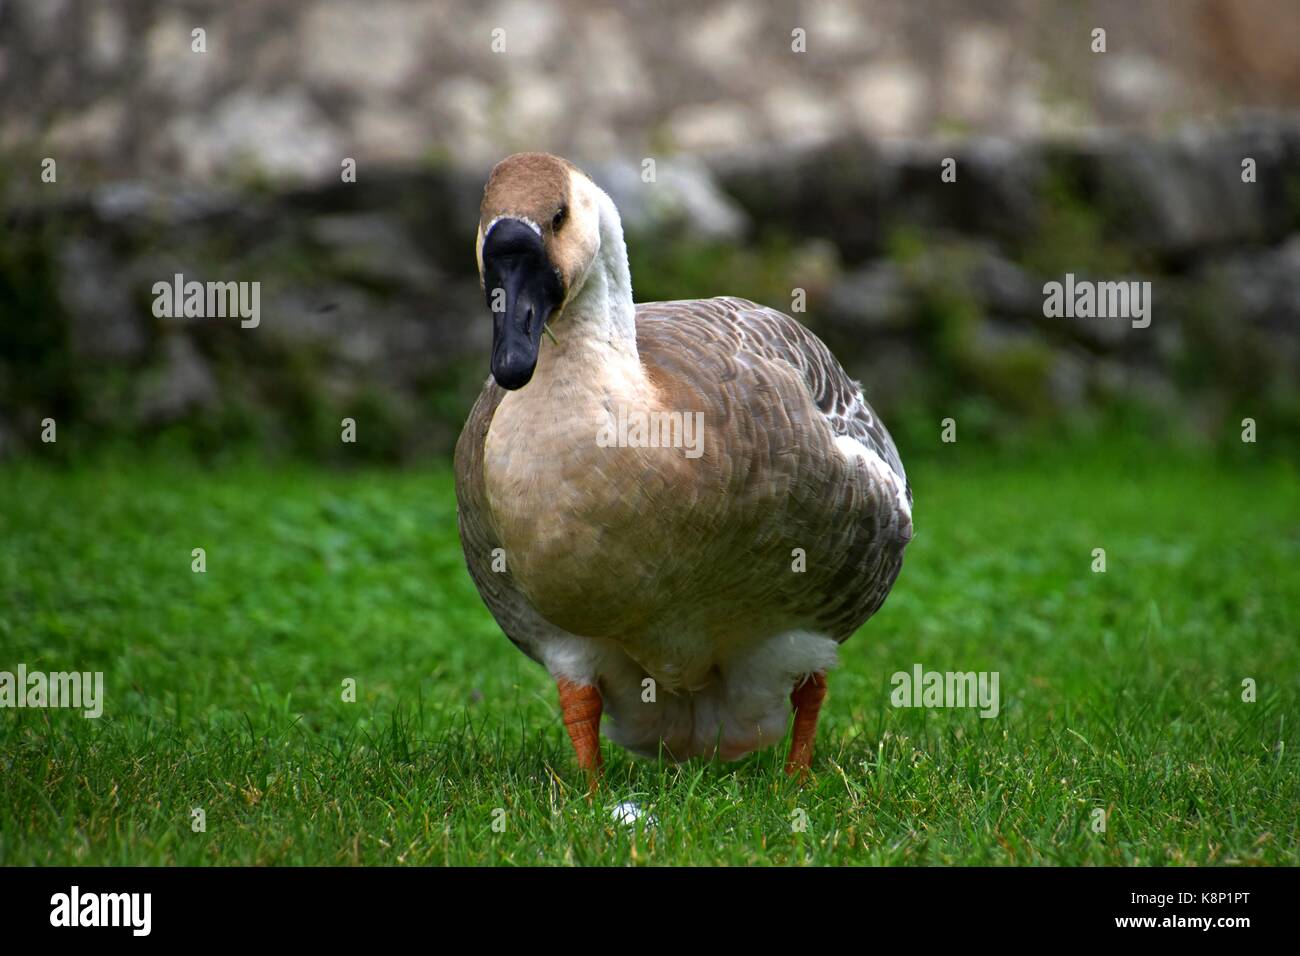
(680, 509)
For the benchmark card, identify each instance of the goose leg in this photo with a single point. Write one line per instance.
(807, 699)
(581, 706)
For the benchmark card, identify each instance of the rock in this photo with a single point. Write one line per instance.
(103, 320)
(93, 131)
(612, 72)
(1006, 288)
(462, 106)
(798, 114)
(171, 65)
(1261, 288)
(1132, 81)
(372, 247)
(283, 136)
(9, 446)
(1003, 186)
(711, 127)
(887, 98)
(1175, 195)
(976, 74)
(531, 30)
(108, 37)
(838, 26)
(1067, 380)
(340, 317)
(134, 203)
(683, 198)
(182, 384)
(876, 298)
(892, 372)
(629, 814)
(719, 38)
(366, 52)
(835, 191)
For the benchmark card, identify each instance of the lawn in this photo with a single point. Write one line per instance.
(224, 689)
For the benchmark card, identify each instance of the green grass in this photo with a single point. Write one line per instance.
(1119, 690)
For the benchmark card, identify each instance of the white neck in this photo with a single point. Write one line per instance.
(600, 318)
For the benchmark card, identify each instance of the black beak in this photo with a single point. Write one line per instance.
(522, 291)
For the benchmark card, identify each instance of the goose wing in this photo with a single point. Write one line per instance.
(747, 332)
(805, 458)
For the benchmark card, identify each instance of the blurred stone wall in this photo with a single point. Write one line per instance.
(286, 88)
(931, 292)
(776, 172)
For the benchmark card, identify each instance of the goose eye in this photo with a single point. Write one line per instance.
(558, 219)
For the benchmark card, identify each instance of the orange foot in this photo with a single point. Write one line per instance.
(581, 706)
(807, 698)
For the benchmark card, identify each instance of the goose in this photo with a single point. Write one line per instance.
(692, 588)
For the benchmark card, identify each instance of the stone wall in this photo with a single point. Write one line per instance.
(931, 292)
(285, 89)
(777, 171)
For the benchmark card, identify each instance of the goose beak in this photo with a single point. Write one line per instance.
(523, 289)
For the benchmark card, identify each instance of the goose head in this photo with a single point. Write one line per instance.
(538, 236)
